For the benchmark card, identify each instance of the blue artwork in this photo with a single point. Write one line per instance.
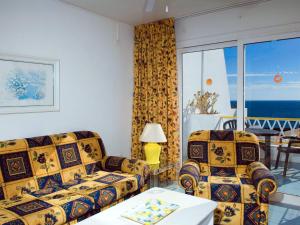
(27, 85)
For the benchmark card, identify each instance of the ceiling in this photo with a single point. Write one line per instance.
(133, 11)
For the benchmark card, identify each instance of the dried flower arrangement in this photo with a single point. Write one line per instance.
(203, 103)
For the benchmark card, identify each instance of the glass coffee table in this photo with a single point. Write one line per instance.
(158, 169)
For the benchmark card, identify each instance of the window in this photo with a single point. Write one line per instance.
(272, 79)
(208, 88)
(272, 99)
(265, 93)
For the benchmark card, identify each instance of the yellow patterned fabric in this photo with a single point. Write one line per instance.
(63, 178)
(155, 87)
(131, 166)
(223, 166)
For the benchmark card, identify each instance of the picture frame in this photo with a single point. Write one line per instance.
(29, 85)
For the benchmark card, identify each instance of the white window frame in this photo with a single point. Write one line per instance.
(180, 53)
(241, 70)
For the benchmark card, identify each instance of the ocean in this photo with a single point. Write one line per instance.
(275, 109)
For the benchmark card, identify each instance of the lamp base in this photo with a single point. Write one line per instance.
(152, 152)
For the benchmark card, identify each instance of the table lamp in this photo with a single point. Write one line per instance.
(153, 134)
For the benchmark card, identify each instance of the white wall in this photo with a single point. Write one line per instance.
(96, 70)
(276, 16)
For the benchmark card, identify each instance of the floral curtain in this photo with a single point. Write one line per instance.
(155, 88)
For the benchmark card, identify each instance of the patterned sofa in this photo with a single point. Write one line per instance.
(223, 166)
(63, 178)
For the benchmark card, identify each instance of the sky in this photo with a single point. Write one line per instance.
(263, 61)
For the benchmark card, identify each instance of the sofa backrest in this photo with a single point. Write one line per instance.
(223, 148)
(39, 162)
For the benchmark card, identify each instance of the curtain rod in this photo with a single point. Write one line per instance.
(230, 6)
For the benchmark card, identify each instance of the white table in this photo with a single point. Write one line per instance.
(192, 211)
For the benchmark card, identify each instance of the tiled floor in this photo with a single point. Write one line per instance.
(284, 215)
(289, 184)
(279, 215)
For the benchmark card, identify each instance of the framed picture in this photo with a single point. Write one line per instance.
(28, 85)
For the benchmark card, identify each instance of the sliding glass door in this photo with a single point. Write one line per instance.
(247, 85)
(272, 100)
(209, 81)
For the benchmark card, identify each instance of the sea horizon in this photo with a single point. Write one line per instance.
(268, 100)
(271, 108)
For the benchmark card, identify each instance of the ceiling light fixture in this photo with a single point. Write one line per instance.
(149, 5)
(167, 7)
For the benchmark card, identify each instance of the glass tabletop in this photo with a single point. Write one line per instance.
(262, 132)
(156, 169)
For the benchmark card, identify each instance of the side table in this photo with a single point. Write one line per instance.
(156, 170)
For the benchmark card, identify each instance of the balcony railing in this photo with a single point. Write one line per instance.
(286, 126)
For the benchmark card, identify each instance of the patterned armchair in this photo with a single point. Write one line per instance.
(223, 166)
(63, 178)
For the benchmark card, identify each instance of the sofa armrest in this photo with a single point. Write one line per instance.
(189, 176)
(263, 180)
(131, 166)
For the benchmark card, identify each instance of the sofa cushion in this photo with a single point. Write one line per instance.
(55, 204)
(227, 189)
(73, 204)
(58, 203)
(9, 218)
(104, 187)
(223, 148)
(29, 210)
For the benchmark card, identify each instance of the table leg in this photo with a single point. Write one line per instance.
(268, 151)
(209, 220)
(157, 184)
(149, 182)
(152, 181)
